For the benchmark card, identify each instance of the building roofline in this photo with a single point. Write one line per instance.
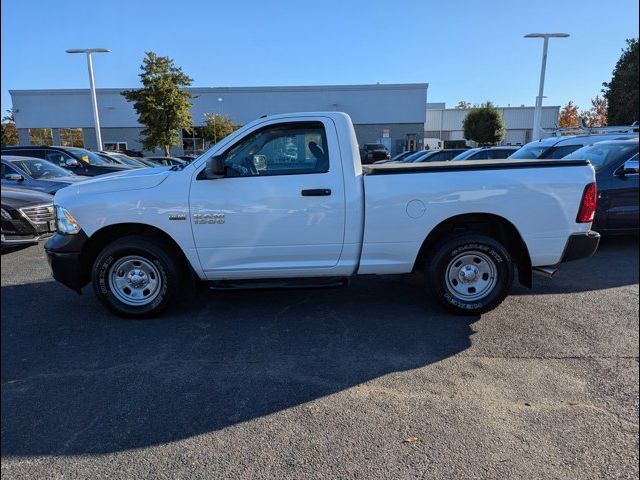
(293, 88)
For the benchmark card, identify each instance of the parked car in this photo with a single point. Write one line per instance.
(78, 160)
(372, 152)
(36, 174)
(166, 161)
(122, 159)
(398, 158)
(560, 147)
(616, 165)
(486, 153)
(239, 217)
(443, 155)
(27, 216)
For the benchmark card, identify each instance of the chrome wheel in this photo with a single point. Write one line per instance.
(135, 280)
(471, 276)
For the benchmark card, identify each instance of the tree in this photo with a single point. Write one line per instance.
(462, 105)
(597, 115)
(621, 92)
(484, 125)
(9, 129)
(216, 127)
(569, 116)
(162, 105)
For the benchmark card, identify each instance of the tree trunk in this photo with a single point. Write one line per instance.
(167, 150)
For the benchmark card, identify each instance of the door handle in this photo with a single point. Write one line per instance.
(316, 192)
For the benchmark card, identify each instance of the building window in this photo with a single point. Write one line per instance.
(71, 137)
(115, 146)
(40, 136)
(192, 141)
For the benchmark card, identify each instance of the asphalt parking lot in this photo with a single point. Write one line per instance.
(370, 381)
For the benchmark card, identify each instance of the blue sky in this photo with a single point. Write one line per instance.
(471, 50)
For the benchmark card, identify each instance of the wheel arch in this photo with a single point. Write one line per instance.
(102, 237)
(490, 224)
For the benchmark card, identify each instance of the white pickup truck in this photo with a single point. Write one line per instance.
(285, 201)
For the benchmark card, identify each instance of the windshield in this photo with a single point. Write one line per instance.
(466, 154)
(604, 155)
(412, 157)
(128, 160)
(87, 157)
(529, 151)
(39, 169)
(375, 146)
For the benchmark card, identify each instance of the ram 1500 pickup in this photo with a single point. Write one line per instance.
(285, 199)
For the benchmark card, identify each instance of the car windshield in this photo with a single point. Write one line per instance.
(401, 156)
(375, 146)
(603, 155)
(87, 157)
(128, 160)
(38, 169)
(413, 157)
(466, 154)
(529, 152)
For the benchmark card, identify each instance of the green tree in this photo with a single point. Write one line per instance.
(484, 125)
(162, 105)
(216, 127)
(621, 92)
(9, 129)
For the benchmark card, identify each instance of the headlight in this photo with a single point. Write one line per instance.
(66, 224)
(5, 214)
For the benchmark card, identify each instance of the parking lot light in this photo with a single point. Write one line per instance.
(537, 116)
(92, 84)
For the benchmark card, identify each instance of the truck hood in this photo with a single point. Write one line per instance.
(133, 179)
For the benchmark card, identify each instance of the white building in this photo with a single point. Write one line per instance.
(446, 123)
(390, 113)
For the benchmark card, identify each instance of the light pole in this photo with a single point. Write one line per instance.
(537, 115)
(92, 84)
(215, 130)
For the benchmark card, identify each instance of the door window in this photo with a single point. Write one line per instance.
(7, 170)
(283, 149)
(56, 157)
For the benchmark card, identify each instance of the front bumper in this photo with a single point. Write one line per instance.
(580, 245)
(64, 254)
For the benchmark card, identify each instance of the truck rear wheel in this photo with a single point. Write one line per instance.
(470, 274)
(136, 277)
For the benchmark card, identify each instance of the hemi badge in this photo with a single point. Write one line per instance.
(179, 216)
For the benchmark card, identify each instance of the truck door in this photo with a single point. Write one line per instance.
(280, 208)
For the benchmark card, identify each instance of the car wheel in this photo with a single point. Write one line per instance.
(136, 277)
(470, 274)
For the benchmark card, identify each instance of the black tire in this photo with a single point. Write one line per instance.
(169, 273)
(446, 268)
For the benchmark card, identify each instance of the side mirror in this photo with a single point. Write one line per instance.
(215, 168)
(260, 162)
(71, 163)
(630, 167)
(14, 177)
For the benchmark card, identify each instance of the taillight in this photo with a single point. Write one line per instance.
(588, 205)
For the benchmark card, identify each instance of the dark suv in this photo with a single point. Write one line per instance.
(78, 160)
(372, 152)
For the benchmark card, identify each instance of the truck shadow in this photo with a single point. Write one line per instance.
(76, 380)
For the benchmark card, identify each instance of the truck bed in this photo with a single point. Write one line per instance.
(427, 167)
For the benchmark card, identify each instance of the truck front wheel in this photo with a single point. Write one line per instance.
(136, 277)
(470, 274)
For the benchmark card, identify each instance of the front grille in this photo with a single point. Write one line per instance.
(40, 213)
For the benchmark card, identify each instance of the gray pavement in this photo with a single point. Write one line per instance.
(325, 383)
